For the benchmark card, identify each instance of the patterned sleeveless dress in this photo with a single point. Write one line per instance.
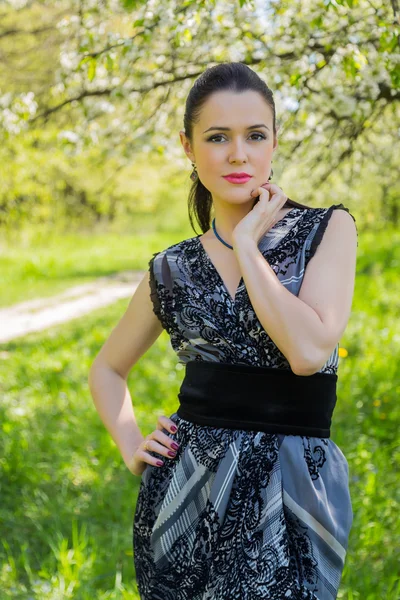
(239, 515)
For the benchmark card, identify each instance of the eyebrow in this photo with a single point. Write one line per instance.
(228, 129)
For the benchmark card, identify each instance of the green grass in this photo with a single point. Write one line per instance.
(67, 499)
(45, 265)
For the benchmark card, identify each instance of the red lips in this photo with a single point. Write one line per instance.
(238, 175)
(238, 180)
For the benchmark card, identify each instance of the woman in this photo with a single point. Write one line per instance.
(243, 494)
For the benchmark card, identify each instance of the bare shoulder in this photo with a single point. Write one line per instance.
(341, 214)
(341, 227)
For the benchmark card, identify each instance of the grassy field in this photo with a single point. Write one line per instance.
(49, 264)
(67, 499)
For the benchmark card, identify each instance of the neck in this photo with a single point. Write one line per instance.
(227, 219)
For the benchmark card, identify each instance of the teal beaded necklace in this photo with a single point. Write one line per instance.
(219, 237)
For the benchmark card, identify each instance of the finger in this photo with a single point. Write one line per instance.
(273, 188)
(154, 446)
(266, 198)
(146, 457)
(151, 460)
(275, 199)
(258, 191)
(164, 439)
(166, 423)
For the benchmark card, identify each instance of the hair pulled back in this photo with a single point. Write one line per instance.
(235, 77)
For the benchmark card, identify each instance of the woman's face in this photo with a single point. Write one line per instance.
(220, 152)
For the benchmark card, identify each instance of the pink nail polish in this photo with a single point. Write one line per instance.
(160, 463)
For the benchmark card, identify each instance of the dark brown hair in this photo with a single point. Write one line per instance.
(236, 77)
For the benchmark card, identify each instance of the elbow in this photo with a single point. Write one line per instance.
(90, 376)
(308, 364)
(97, 370)
(94, 379)
(91, 373)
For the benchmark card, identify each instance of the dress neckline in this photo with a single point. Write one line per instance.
(241, 281)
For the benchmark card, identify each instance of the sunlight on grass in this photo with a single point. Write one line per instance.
(68, 501)
(67, 498)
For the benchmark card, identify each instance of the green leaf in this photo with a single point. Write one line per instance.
(317, 22)
(295, 79)
(349, 3)
(388, 41)
(110, 63)
(395, 77)
(83, 61)
(92, 69)
(131, 4)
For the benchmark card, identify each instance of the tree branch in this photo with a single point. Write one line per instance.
(106, 92)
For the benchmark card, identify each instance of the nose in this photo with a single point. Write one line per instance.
(238, 153)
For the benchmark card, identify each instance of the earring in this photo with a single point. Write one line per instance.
(194, 175)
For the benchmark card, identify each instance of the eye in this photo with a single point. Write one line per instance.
(260, 135)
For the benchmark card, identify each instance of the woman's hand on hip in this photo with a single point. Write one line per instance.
(156, 441)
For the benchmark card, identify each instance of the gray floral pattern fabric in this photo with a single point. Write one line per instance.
(239, 515)
(195, 308)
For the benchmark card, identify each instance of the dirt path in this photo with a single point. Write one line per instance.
(36, 315)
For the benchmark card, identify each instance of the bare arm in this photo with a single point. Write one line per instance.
(307, 327)
(137, 330)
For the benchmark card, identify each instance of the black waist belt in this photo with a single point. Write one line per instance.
(257, 398)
